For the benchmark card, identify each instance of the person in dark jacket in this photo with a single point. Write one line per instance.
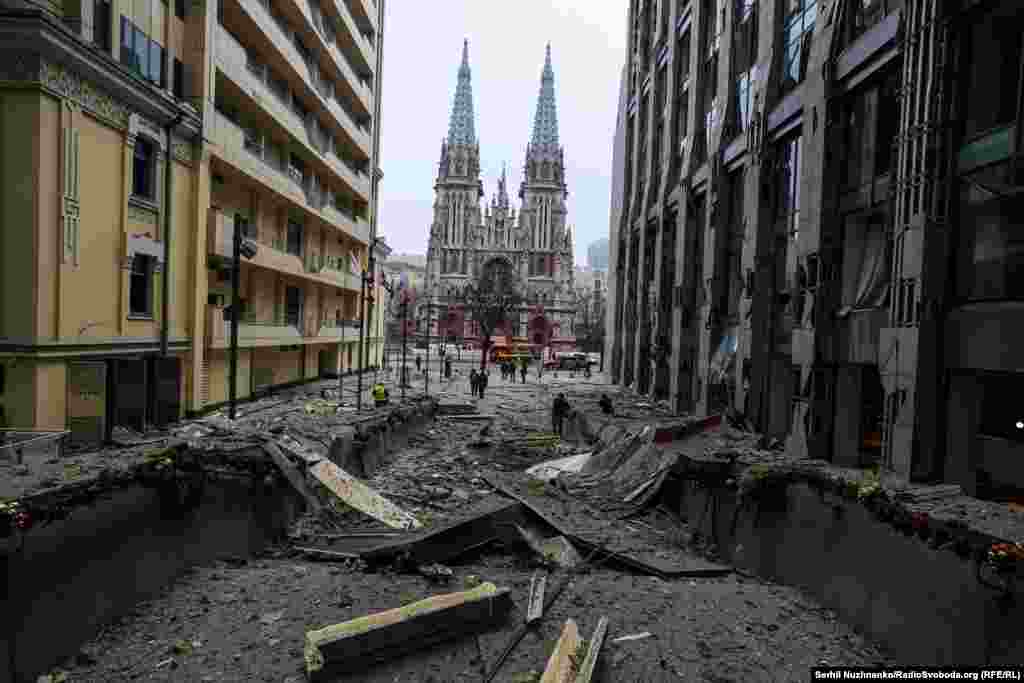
(472, 382)
(606, 405)
(559, 411)
(481, 383)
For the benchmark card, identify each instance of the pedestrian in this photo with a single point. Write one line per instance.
(559, 409)
(606, 405)
(481, 384)
(447, 368)
(419, 363)
(522, 370)
(472, 382)
(380, 395)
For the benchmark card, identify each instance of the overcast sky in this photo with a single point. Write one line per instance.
(422, 52)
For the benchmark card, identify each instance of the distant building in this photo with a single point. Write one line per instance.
(470, 242)
(597, 254)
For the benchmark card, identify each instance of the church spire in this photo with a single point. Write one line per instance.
(545, 122)
(502, 190)
(460, 128)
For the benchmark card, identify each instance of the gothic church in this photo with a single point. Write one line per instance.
(536, 245)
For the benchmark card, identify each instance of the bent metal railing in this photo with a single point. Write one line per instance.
(13, 442)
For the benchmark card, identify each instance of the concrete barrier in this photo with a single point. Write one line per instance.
(925, 605)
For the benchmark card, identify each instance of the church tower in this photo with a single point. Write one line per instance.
(543, 231)
(456, 231)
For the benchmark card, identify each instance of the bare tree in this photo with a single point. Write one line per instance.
(491, 301)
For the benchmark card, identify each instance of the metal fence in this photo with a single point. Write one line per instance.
(15, 442)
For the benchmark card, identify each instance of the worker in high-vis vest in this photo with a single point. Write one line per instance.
(380, 395)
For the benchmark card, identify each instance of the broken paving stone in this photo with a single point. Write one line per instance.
(272, 617)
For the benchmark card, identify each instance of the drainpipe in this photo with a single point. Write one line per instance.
(165, 304)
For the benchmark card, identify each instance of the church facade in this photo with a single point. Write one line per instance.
(468, 235)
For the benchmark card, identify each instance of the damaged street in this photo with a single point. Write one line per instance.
(471, 567)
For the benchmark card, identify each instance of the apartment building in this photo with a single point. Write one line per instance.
(816, 201)
(135, 139)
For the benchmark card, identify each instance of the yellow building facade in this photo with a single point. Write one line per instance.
(135, 138)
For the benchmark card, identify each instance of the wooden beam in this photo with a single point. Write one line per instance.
(358, 495)
(560, 664)
(361, 642)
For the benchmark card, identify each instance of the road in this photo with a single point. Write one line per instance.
(245, 621)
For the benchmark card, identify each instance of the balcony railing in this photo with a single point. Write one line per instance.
(254, 78)
(263, 164)
(256, 329)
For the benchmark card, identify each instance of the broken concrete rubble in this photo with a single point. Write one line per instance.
(354, 644)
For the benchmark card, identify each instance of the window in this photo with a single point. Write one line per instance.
(179, 8)
(141, 54)
(141, 49)
(851, 171)
(993, 73)
(744, 102)
(143, 169)
(294, 245)
(156, 63)
(991, 244)
(127, 40)
(683, 58)
(1001, 418)
(178, 79)
(798, 31)
(292, 306)
(866, 13)
(101, 24)
(787, 208)
(888, 125)
(140, 288)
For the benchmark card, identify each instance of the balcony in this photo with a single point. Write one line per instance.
(364, 11)
(283, 40)
(330, 40)
(250, 78)
(220, 233)
(275, 331)
(230, 145)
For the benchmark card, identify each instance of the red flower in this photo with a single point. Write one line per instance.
(22, 520)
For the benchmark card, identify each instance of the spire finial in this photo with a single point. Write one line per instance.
(461, 130)
(545, 122)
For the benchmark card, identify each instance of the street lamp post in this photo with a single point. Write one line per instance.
(426, 377)
(405, 331)
(240, 247)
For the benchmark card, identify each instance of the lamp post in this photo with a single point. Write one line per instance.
(426, 377)
(366, 280)
(240, 247)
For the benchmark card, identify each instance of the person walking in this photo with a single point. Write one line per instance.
(472, 382)
(419, 363)
(447, 368)
(481, 383)
(522, 370)
(606, 405)
(559, 409)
